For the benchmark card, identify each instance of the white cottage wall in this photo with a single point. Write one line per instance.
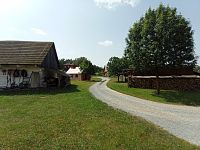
(6, 80)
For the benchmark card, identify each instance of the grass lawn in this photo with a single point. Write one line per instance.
(73, 119)
(166, 96)
(95, 79)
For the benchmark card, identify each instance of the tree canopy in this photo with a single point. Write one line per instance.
(116, 65)
(160, 39)
(98, 70)
(85, 65)
(64, 61)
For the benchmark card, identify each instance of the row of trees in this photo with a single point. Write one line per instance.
(116, 65)
(85, 65)
(161, 39)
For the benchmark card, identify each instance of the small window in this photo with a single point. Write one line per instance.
(76, 76)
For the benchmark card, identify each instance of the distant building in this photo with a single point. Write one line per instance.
(105, 71)
(76, 73)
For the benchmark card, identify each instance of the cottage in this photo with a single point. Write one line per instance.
(76, 73)
(26, 64)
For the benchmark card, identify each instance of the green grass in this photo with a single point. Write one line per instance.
(166, 96)
(73, 119)
(95, 79)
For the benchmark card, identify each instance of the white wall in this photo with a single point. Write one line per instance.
(5, 79)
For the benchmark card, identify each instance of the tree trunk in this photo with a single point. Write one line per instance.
(118, 77)
(157, 85)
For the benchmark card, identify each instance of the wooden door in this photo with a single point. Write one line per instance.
(35, 80)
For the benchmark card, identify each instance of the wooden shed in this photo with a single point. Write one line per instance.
(29, 64)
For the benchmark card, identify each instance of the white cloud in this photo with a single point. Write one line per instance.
(110, 4)
(106, 43)
(38, 31)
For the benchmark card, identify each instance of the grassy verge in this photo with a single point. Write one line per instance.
(95, 79)
(73, 119)
(166, 96)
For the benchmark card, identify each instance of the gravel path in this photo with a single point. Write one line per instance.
(182, 121)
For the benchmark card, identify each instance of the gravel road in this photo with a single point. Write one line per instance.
(181, 121)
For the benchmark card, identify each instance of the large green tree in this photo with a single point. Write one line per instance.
(98, 70)
(160, 39)
(85, 65)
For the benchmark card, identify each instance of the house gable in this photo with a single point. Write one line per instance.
(41, 54)
(51, 60)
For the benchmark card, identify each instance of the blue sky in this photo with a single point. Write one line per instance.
(95, 29)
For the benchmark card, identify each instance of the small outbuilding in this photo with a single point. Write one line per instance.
(76, 73)
(27, 64)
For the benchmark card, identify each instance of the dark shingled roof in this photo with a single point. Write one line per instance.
(24, 52)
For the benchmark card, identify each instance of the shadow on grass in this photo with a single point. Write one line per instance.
(43, 91)
(191, 98)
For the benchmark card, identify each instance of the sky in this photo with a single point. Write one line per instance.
(95, 29)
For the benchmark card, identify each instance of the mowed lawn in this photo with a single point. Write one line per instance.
(191, 98)
(73, 119)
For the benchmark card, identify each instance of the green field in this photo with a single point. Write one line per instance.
(166, 96)
(72, 118)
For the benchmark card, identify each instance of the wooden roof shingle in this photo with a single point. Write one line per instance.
(23, 52)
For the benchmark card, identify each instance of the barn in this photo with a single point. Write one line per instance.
(29, 64)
